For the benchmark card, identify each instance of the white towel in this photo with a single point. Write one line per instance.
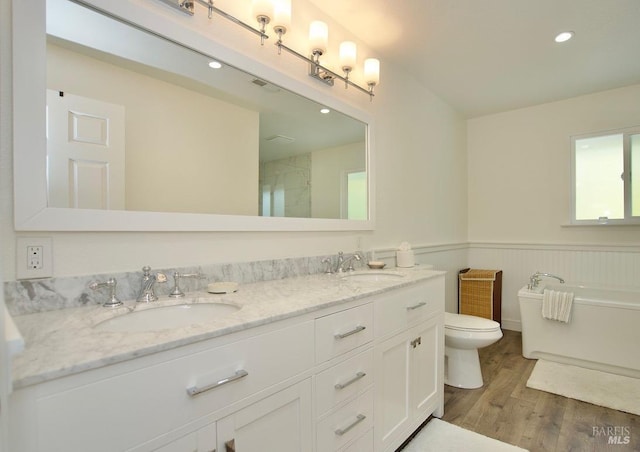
(556, 305)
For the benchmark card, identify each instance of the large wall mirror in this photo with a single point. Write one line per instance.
(143, 134)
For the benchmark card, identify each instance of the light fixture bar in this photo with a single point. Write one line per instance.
(212, 8)
(319, 72)
(316, 70)
(186, 6)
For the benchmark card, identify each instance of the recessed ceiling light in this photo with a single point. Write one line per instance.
(564, 36)
(324, 111)
(215, 65)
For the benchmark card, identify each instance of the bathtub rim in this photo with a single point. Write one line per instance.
(524, 292)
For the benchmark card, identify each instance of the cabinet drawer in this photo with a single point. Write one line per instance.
(346, 424)
(155, 399)
(343, 331)
(362, 444)
(400, 309)
(344, 380)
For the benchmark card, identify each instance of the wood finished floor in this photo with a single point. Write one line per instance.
(505, 409)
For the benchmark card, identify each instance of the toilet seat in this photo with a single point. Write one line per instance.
(463, 322)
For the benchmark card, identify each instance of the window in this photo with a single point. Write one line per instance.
(357, 195)
(353, 195)
(606, 177)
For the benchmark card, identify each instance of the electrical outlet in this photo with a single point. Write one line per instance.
(34, 257)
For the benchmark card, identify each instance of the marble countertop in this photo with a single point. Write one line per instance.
(64, 342)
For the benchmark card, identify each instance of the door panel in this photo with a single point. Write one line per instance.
(85, 152)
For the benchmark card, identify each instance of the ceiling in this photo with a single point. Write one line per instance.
(487, 56)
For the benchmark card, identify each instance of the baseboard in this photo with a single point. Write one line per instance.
(511, 325)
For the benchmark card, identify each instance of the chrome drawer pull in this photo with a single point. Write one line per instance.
(416, 306)
(194, 390)
(349, 333)
(358, 376)
(342, 431)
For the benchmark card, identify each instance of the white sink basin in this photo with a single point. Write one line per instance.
(373, 276)
(163, 317)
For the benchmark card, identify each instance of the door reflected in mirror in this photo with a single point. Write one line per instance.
(144, 124)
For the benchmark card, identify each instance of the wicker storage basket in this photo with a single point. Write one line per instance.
(480, 293)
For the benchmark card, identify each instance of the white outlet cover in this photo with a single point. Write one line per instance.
(22, 257)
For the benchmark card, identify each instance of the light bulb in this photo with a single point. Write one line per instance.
(282, 15)
(347, 55)
(319, 36)
(262, 8)
(372, 71)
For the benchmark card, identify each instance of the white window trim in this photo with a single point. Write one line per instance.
(628, 219)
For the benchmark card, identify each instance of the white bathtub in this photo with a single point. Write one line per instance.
(603, 332)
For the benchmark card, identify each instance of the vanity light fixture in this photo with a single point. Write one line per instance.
(347, 59)
(564, 36)
(278, 13)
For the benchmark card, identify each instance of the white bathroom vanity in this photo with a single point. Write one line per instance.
(315, 363)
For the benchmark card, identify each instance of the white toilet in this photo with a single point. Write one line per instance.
(463, 336)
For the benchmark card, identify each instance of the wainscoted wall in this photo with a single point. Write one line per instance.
(583, 264)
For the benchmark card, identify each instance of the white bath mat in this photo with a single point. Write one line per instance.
(440, 436)
(600, 388)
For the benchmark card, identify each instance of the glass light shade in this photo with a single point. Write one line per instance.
(262, 8)
(372, 71)
(318, 36)
(282, 14)
(348, 54)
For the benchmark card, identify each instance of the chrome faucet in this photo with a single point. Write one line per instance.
(341, 265)
(535, 279)
(111, 283)
(147, 292)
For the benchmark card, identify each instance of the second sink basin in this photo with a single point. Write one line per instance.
(163, 317)
(373, 276)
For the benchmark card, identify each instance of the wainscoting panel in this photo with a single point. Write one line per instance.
(588, 265)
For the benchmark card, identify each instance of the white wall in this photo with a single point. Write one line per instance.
(519, 169)
(519, 196)
(420, 171)
(327, 171)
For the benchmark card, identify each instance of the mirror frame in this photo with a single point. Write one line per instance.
(31, 212)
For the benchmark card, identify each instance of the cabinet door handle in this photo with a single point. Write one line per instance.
(416, 306)
(342, 431)
(194, 390)
(349, 333)
(358, 376)
(230, 445)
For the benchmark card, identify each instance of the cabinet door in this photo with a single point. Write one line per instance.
(280, 422)
(408, 381)
(425, 367)
(392, 385)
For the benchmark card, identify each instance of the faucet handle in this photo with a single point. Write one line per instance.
(327, 262)
(111, 283)
(159, 276)
(176, 292)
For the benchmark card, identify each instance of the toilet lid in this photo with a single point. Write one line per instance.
(469, 323)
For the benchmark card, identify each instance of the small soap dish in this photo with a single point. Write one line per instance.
(376, 265)
(222, 287)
